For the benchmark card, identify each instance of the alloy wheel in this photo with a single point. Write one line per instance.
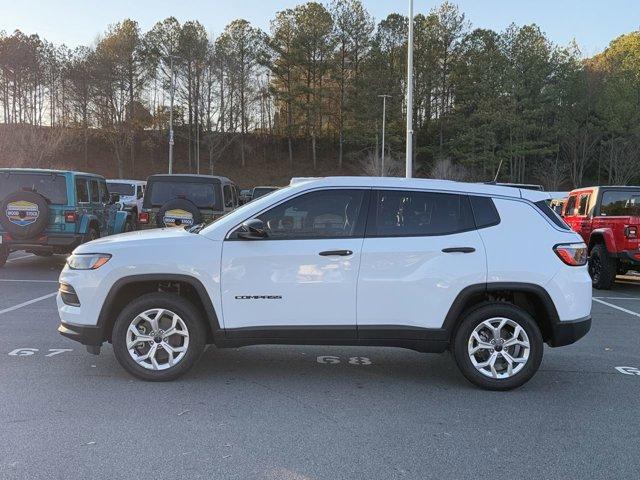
(498, 348)
(157, 339)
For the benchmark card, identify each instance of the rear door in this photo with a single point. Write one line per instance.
(420, 250)
(303, 276)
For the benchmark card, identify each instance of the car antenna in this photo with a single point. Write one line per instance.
(495, 179)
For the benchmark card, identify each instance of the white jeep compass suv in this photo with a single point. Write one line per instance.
(490, 273)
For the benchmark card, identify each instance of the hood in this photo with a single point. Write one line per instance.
(143, 238)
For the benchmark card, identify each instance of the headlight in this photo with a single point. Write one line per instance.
(89, 261)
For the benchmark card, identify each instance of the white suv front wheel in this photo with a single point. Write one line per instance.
(158, 337)
(498, 346)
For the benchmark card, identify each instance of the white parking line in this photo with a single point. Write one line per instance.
(20, 258)
(617, 298)
(27, 281)
(630, 312)
(29, 302)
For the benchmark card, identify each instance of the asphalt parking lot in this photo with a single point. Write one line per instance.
(271, 412)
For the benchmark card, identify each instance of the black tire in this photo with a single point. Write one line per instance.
(176, 304)
(474, 317)
(24, 214)
(179, 204)
(602, 267)
(4, 254)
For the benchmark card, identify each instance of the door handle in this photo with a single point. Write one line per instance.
(339, 253)
(459, 250)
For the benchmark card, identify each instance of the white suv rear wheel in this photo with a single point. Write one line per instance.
(498, 346)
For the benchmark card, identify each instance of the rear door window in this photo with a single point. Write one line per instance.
(398, 213)
(583, 204)
(228, 196)
(51, 186)
(104, 192)
(82, 190)
(569, 210)
(95, 191)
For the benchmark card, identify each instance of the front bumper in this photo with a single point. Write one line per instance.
(89, 336)
(566, 333)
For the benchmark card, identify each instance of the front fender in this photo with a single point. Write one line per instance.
(607, 235)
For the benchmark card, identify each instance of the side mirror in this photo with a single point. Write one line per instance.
(252, 230)
(113, 198)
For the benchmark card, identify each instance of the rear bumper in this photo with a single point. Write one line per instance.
(566, 333)
(631, 257)
(45, 243)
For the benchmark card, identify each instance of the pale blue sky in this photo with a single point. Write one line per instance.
(593, 23)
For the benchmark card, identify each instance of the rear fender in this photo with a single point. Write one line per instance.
(85, 223)
(605, 235)
(119, 221)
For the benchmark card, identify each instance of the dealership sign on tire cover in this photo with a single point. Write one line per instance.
(22, 213)
(177, 217)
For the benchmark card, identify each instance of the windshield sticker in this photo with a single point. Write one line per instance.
(22, 213)
(177, 218)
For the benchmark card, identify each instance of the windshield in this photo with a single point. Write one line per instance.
(125, 189)
(51, 186)
(203, 195)
(621, 203)
(260, 191)
(240, 212)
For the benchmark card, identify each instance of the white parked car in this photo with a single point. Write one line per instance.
(487, 272)
(131, 194)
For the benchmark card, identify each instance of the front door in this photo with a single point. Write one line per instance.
(301, 279)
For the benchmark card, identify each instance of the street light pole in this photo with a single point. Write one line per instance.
(409, 151)
(384, 119)
(172, 90)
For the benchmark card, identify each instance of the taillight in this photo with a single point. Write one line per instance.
(143, 217)
(631, 232)
(573, 254)
(70, 216)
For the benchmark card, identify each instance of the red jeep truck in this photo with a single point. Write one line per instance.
(608, 219)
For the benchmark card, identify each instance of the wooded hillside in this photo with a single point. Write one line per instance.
(303, 99)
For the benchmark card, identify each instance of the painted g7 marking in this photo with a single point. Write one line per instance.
(23, 352)
(26, 352)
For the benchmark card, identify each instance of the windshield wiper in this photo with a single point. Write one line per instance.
(197, 228)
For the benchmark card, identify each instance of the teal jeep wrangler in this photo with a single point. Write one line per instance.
(53, 211)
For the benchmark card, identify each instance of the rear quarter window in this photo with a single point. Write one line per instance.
(620, 203)
(484, 212)
(545, 208)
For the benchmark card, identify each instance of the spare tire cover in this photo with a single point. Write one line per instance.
(178, 212)
(24, 214)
